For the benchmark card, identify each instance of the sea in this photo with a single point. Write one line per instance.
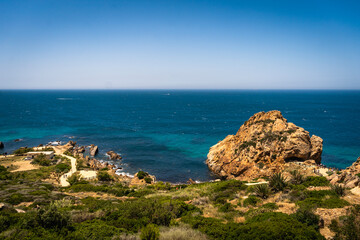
(168, 133)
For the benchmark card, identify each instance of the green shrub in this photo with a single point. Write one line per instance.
(331, 202)
(17, 198)
(251, 200)
(23, 150)
(262, 191)
(142, 174)
(95, 229)
(42, 160)
(52, 218)
(277, 182)
(74, 179)
(308, 217)
(265, 226)
(227, 207)
(338, 189)
(150, 232)
(104, 176)
(148, 180)
(316, 181)
(62, 168)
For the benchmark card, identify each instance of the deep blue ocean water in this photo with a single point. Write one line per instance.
(168, 133)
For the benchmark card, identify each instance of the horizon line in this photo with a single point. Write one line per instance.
(178, 89)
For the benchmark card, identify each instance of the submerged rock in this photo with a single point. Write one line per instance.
(113, 155)
(262, 145)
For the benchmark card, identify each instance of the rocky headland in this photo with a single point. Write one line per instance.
(263, 145)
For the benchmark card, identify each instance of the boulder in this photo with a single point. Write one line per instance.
(262, 146)
(93, 150)
(1, 145)
(113, 155)
(352, 183)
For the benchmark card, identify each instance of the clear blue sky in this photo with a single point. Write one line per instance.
(179, 44)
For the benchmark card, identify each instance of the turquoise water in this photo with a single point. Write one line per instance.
(169, 133)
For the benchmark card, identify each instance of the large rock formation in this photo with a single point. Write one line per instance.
(262, 146)
(93, 150)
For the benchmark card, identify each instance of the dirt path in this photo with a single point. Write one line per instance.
(255, 183)
(64, 177)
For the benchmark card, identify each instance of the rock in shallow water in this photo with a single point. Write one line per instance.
(262, 145)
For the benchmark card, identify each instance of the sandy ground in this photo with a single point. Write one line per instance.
(88, 174)
(24, 166)
(17, 164)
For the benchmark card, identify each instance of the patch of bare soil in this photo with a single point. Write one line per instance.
(23, 166)
(104, 196)
(288, 208)
(327, 215)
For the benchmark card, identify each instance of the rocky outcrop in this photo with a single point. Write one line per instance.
(93, 150)
(1, 145)
(348, 177)
(113, 155)
(262, 146)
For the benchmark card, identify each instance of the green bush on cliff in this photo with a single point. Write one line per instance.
(23, 150)
(104, 176)
(142, 174)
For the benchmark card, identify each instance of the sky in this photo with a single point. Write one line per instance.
(46, 44)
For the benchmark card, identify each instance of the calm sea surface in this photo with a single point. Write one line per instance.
(168, 133)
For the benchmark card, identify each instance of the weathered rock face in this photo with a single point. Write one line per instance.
(113, 155)
(262, 145)
(1, 145)
(93, 150)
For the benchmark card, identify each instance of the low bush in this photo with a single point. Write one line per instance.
(150, 232)
(23, 150)
(227, 207)
(308, 217)
(42, 160)
(316, 181)
(331, 202)
(62, 168)
(265, 226)
(251, 200)
(148, 180)
(142, 174)
(104, 176)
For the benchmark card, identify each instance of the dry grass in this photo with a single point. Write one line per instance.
(181, 232)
